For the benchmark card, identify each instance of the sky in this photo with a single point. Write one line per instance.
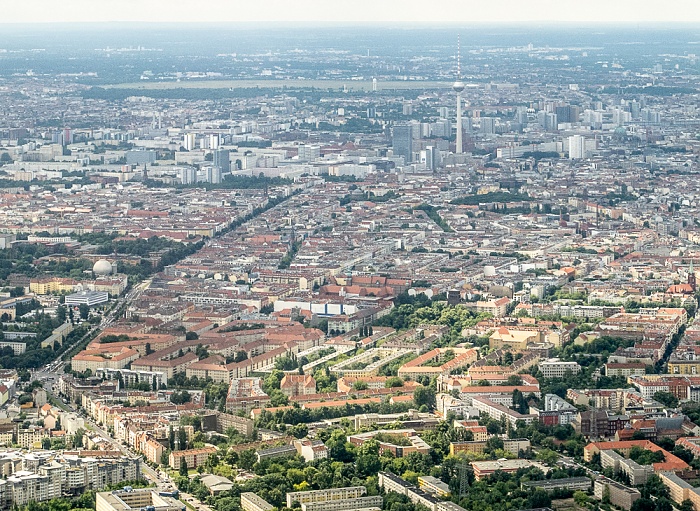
(351, 11)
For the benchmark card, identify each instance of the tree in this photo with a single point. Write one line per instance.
(638, 435)
(494, 443)
(393, 381)
(424, 396)
(519, 402)
(171, 438)
(339, 449)
(61, 314)
(278, 398)
(46, 443)
(666, 398)
(686, 505)
(643, 504)
(539, 499)
(180, 398)
(183, 468)
(514, 380)
(78, 438)
(367, 461)
(181, 439)
(547, 456)
(654, 488)
(664, 504)
(298, 431)
(84, 311)
(247, 458)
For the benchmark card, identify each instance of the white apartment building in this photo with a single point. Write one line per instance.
(556, 368)
(373, 502)
(332, 494)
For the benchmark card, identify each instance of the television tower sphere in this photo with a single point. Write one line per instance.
(458, 86)
(102, 267)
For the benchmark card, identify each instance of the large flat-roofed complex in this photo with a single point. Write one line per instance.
(126, 500)
(484, 469)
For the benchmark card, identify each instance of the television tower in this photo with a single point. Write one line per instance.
(458, 87)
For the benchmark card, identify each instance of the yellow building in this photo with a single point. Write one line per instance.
(516, 339)
(691, 367)
(53, 285)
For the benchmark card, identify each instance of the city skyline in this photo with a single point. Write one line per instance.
(360, 11)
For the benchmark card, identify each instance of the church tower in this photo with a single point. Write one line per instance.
(691, 276)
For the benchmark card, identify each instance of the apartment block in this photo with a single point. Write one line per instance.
(329, 495)
(620, 496)
(252, 502)
(193, 457)
(556, 368)
(373, 502)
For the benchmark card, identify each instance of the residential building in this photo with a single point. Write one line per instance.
(252, 502)
(625, 369)
(556, 368)
(498, 308)
(329, 495)
(620, 496)
(433, 485)
(498, 411)
(399, 442)
(193, 457)
(372, 502)
(572, 483)
(129, 499)
(298, 384)
(311, 450)
(637, 474)
(276, 452)
(439, 361)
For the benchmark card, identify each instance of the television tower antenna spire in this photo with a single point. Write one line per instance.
(458, 87)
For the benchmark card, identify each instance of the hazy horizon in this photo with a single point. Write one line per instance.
(353, 11)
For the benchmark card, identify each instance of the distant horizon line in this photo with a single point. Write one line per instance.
(383, 23)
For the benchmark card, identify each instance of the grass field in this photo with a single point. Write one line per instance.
(351, 85)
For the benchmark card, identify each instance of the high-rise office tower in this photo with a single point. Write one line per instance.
(308, 152)
(188, 141)
(429, 157)
(458, 87)
(402, 141)
(67, 136)
(577, 147)
(188, 175)
(222, 160)
(488, 125)
(215, 175)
